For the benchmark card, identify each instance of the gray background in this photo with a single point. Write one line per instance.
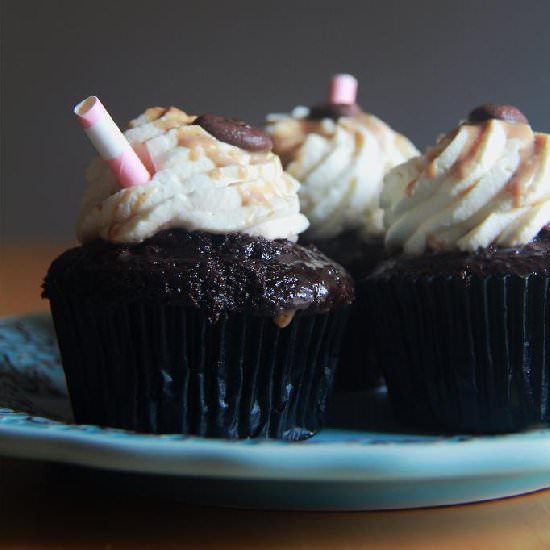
(422, 66)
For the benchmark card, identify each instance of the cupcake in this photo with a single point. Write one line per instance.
(463, 312)
(188, 308)
(340, 155)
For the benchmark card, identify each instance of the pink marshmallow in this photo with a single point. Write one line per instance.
(343, 89)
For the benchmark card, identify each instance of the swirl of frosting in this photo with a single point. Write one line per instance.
(483, 184)
(340, 164)
(198, 183)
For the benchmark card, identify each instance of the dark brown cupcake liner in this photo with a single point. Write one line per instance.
(359, 369)
(465, 355)
(167, 369)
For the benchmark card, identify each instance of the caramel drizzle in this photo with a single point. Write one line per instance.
(412, 184)
(477, 136)
(196, 139)
(426, 166)
(154, 113)
(430, 171)
(433, 153)
(528, 164)
(289, 143)
(285, 318)
(359, 141)
(373, 125)
(169, 119)
(118, 209)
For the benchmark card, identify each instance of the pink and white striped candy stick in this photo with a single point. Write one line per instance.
(110, 143)
(342, 89)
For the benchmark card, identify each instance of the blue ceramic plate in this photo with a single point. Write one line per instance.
(362, 461)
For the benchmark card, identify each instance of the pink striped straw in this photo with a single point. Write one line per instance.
(110, 143)
(342, 89)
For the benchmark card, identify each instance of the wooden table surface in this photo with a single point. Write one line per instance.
(54, 506)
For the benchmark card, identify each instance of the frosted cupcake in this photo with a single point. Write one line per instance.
(340, 155)
(463, 312)
(189, 308)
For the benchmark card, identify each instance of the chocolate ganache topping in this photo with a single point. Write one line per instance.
(489, 111)
(235, 132)
(217, 273)
(333, 111)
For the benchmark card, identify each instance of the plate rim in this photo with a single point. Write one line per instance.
(448, 457)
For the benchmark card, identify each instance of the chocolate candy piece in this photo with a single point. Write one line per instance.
(235, 132)
(334, 111)
(508, 113)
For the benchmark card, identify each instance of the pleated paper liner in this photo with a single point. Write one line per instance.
(167, 369)
(359, 369)
(467, 355)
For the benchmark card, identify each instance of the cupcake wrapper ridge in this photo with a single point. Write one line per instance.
(359, 368)
(467, 355)
(167, 369)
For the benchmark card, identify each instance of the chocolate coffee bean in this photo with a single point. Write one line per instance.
(488, 111)
(334, 111)
(235, 132)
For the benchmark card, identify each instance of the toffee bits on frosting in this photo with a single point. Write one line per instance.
(235, 132)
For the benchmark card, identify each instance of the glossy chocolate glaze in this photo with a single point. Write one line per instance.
(215, 273)
(530, 259)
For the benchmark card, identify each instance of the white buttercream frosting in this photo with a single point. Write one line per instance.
(482, 184)
(198, 183)
(340, 165)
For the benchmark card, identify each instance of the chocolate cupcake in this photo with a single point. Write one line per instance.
(189, 308)
(463, 312)
(340, 155)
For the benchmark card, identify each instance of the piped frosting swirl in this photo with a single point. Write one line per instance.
(198, 183)
(340, 163)
(485, 183)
